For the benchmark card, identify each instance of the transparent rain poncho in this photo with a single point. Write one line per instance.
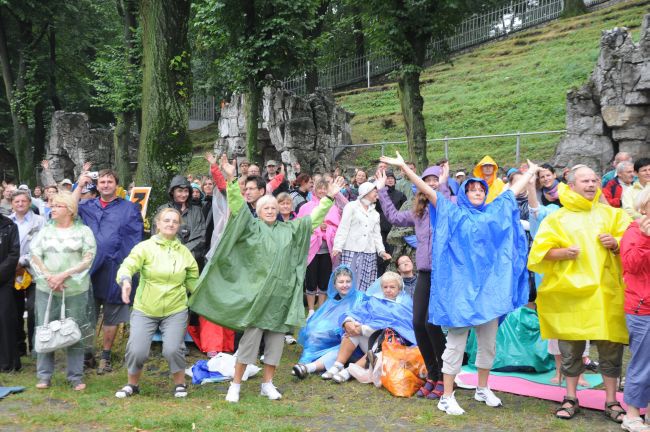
(53, 251)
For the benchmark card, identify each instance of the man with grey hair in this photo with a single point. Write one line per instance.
(620, 157)
(613, 190)
(582, 292)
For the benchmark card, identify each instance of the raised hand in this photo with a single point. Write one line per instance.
(209, 156)
(380, 179)
(86, 166)
(532, 167)
(45, 164)
(397, 161)
(335, 187)
(227, 168)
(445, 172)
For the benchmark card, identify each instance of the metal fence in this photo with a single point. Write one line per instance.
(202, 108)
(500, 22)
(446, 141)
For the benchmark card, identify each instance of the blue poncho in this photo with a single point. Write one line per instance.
(478, 271)
(378, 312)
(323, 332)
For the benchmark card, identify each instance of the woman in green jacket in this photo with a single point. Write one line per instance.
(167, 271)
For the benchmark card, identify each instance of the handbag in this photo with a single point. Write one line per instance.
(57, 334)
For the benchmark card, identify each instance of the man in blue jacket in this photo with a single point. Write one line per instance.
(117, 226)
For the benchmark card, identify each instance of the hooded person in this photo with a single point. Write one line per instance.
(192, 230)
(321, 337)
(478, 272)
(488, 170)
(358, 238)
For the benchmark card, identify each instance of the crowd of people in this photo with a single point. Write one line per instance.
(244, 257)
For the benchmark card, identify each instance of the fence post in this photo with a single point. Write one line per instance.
(383, 149)
(446, 148)
(368, 72)
(518, 148)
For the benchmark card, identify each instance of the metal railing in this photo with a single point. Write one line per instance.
(202, 108)
(446, 140)
(497, 23)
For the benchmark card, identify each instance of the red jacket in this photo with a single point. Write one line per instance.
(635, 256)
(613, 191)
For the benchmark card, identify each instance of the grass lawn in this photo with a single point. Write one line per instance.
(517, 84)
(309, 405)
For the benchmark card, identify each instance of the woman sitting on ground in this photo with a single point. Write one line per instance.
(321, 337)
(167, 272)
(385, 305)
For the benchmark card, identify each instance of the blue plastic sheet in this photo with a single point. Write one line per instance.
(323, 332)
(378, 312)
(478, 271)
(201, 374)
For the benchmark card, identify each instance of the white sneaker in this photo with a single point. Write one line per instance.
(289, 339)
(634, 424)
(486, 395)
(341, 377)
(310, 313)
(233, 395)
(269, 390)
(449, 405)
(329, 373)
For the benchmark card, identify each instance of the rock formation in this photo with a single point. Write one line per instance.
(611, 113)
(72, 142)
(292, 128)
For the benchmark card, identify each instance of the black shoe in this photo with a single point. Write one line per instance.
(592, 365)
(90, 362)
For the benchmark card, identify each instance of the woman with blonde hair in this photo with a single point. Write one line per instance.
(61, 256)
(167, 272)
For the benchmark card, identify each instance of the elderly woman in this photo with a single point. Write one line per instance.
(253, 282)
(167, 272)
(358, 238)
(478, 273)
(635, 257)
(61, 256)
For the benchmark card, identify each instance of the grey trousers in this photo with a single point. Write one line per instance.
(143, 327)
(75, 364)
(249, 346)
(486, 338)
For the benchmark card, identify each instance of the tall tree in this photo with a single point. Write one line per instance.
(254, 39)
(164, 144)
(404, 30)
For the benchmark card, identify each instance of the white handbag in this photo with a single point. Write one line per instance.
(57, 334)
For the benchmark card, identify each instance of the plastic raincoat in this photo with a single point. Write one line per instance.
(580, 299)
(378, 312)
(495, 184)
(478, 272)
(255, 277)
(323, 333)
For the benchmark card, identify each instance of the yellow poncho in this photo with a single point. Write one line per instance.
(495, 184)
(580, 299)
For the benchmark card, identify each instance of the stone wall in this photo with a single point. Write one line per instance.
(73, 142)
(611, 113)
(292, 128)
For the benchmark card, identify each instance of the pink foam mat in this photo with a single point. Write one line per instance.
(589, 398)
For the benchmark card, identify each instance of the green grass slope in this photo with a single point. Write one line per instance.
(518, 84)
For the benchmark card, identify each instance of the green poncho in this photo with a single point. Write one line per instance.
(255, 277)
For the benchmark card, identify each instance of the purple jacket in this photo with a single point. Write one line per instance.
(422, 225)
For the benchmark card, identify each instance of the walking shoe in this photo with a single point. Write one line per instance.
(591, 365)
(104, 367)
(449, 405)
(634, 424)
(233, 394)
(289, 339)
(341, 377)
(89, 361)
(329, 373)
(269, 390)
(300, 370)
(485, 395)
(437, 391)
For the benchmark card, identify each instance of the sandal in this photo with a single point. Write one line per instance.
(180, 390)
(437, 391)
(43, 385)
(614, 415)
(127, 391)
(424, 391)
(571, 410)
(300, 371)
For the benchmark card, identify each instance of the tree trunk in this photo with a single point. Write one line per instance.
(54, 97)
(121, 140)
(311, 80)
(164, 143)
(573, 8)
(359, 42)
(412, 104)
(39, 132)
(252, 100)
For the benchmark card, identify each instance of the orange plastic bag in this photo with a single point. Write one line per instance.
(403, 369)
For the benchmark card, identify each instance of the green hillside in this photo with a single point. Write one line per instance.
(518, 84)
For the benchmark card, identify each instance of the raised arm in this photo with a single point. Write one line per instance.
(235, 198)
(318, 214)
(217, 176)
(394, 216)
(522, 181)
(398, 161)
(46, 175)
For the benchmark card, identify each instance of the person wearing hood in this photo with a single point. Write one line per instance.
(192, 230)
(472, 287)
(358, 238)
(581, 296)
(322, 336)
(430, 337)
(488, 170)
(197, 195)
(397, 198)
(254, 281)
